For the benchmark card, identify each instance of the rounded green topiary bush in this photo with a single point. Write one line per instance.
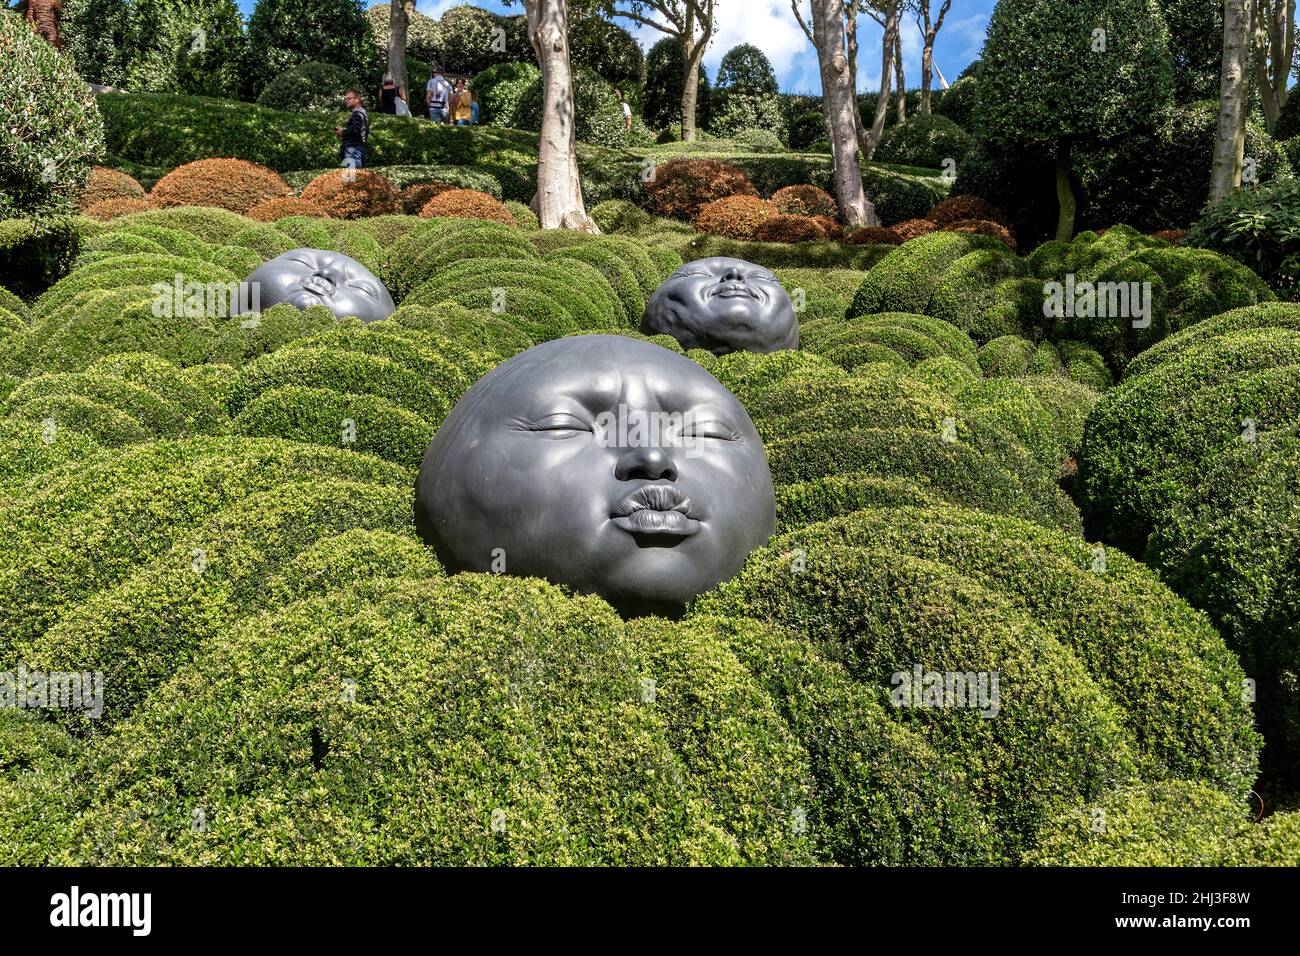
(927, 141)
(309, 87)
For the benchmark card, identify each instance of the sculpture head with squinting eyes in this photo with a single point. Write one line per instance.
(723, 305)
(307, 277)
(605, 463)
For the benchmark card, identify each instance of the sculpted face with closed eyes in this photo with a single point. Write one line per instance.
(307, 277)
(723, 305)
(605, 463)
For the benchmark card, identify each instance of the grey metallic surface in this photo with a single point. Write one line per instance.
(307, 277)
(723, 305)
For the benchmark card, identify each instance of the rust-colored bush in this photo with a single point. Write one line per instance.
(414, 197)
(233, 184)
(104, 183)
(735, 217)
(353, 194)
(983, 227)
(782, 228)
(112, 208)
(829, 226)
(278, 208)
(681, 188)
(467, 204)
(912, 228)
(806, 200)
(956, 208)
(872, 236)
(1170, 235)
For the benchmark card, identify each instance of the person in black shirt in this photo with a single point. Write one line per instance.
(355, 133)
(389, 94)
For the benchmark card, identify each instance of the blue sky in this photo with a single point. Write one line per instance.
(770, 26)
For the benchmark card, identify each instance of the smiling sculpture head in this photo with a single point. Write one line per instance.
(605, 463)
(723, 305)
(307, 277)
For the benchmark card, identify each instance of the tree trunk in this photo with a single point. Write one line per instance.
(1230, 141)
(1064, 196)
(840, 103)
(558, 202)
(927, 75)
(886, 73)
(691, 92)
(900, 80)
(1273, 30)
(399, 19)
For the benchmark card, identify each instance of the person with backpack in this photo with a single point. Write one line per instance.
(390, 94)
(438, 94)
(352, 151)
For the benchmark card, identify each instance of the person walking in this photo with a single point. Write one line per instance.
(473, 108)
(627, 111)
(438, 93)
(353, 136)
(389, 95)
(462, 104)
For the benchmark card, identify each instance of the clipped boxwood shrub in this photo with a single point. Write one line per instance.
(783, 228)
(928, 141)
(467, 204)
(104, 183)
(106, 209)
(736, 217)
(309, 87)
(805, 200)
(353, 193)
(680, 188)
(226, 183)
(272, 210)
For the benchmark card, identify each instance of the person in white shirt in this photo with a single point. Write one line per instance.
(438, 95)
(627, 112)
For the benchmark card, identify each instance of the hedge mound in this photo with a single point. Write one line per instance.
(680, 188)
(353, 193)
(805, 200)
(232, 184)
(466, 204)
(104, 183)
(273, 210)
(736, 217)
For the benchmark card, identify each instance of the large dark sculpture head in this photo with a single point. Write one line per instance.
(605, 463)
(307, 277)
(723, 305)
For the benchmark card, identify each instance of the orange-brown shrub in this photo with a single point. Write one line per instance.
(806, 200)
(233, 184)
(467, 204)
(983, 227)
(683, 187)
(956, 208)
(871, 236)
(782, 228)
(912, 228)
(829, 226)
(282, 206)
(414, 197)
(112, 208)
(104, 183)
(1170, 235)
(735, 217)
(353, 194)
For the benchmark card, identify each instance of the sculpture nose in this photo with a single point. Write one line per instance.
(733, 274)
(651, 463)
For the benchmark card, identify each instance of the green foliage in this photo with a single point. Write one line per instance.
(1257, 227)
(50, 129)
(957, 102)
(1196, 44)
(501, 89)
(34, 255)
(665, 68)
(806, 129)
(606, 49)
(285, 33)
(464, 40)
(1043, 82)
(308, 87)
(597, 113)
(923, 141)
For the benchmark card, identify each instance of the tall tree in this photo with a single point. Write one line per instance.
(399, 20)
(558, 203)
(1230, 143)
(1275, 47)
(692, 24)
(831, 30)
(1054, 75)
(929, 33)
(887, 13)
(900, 81)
